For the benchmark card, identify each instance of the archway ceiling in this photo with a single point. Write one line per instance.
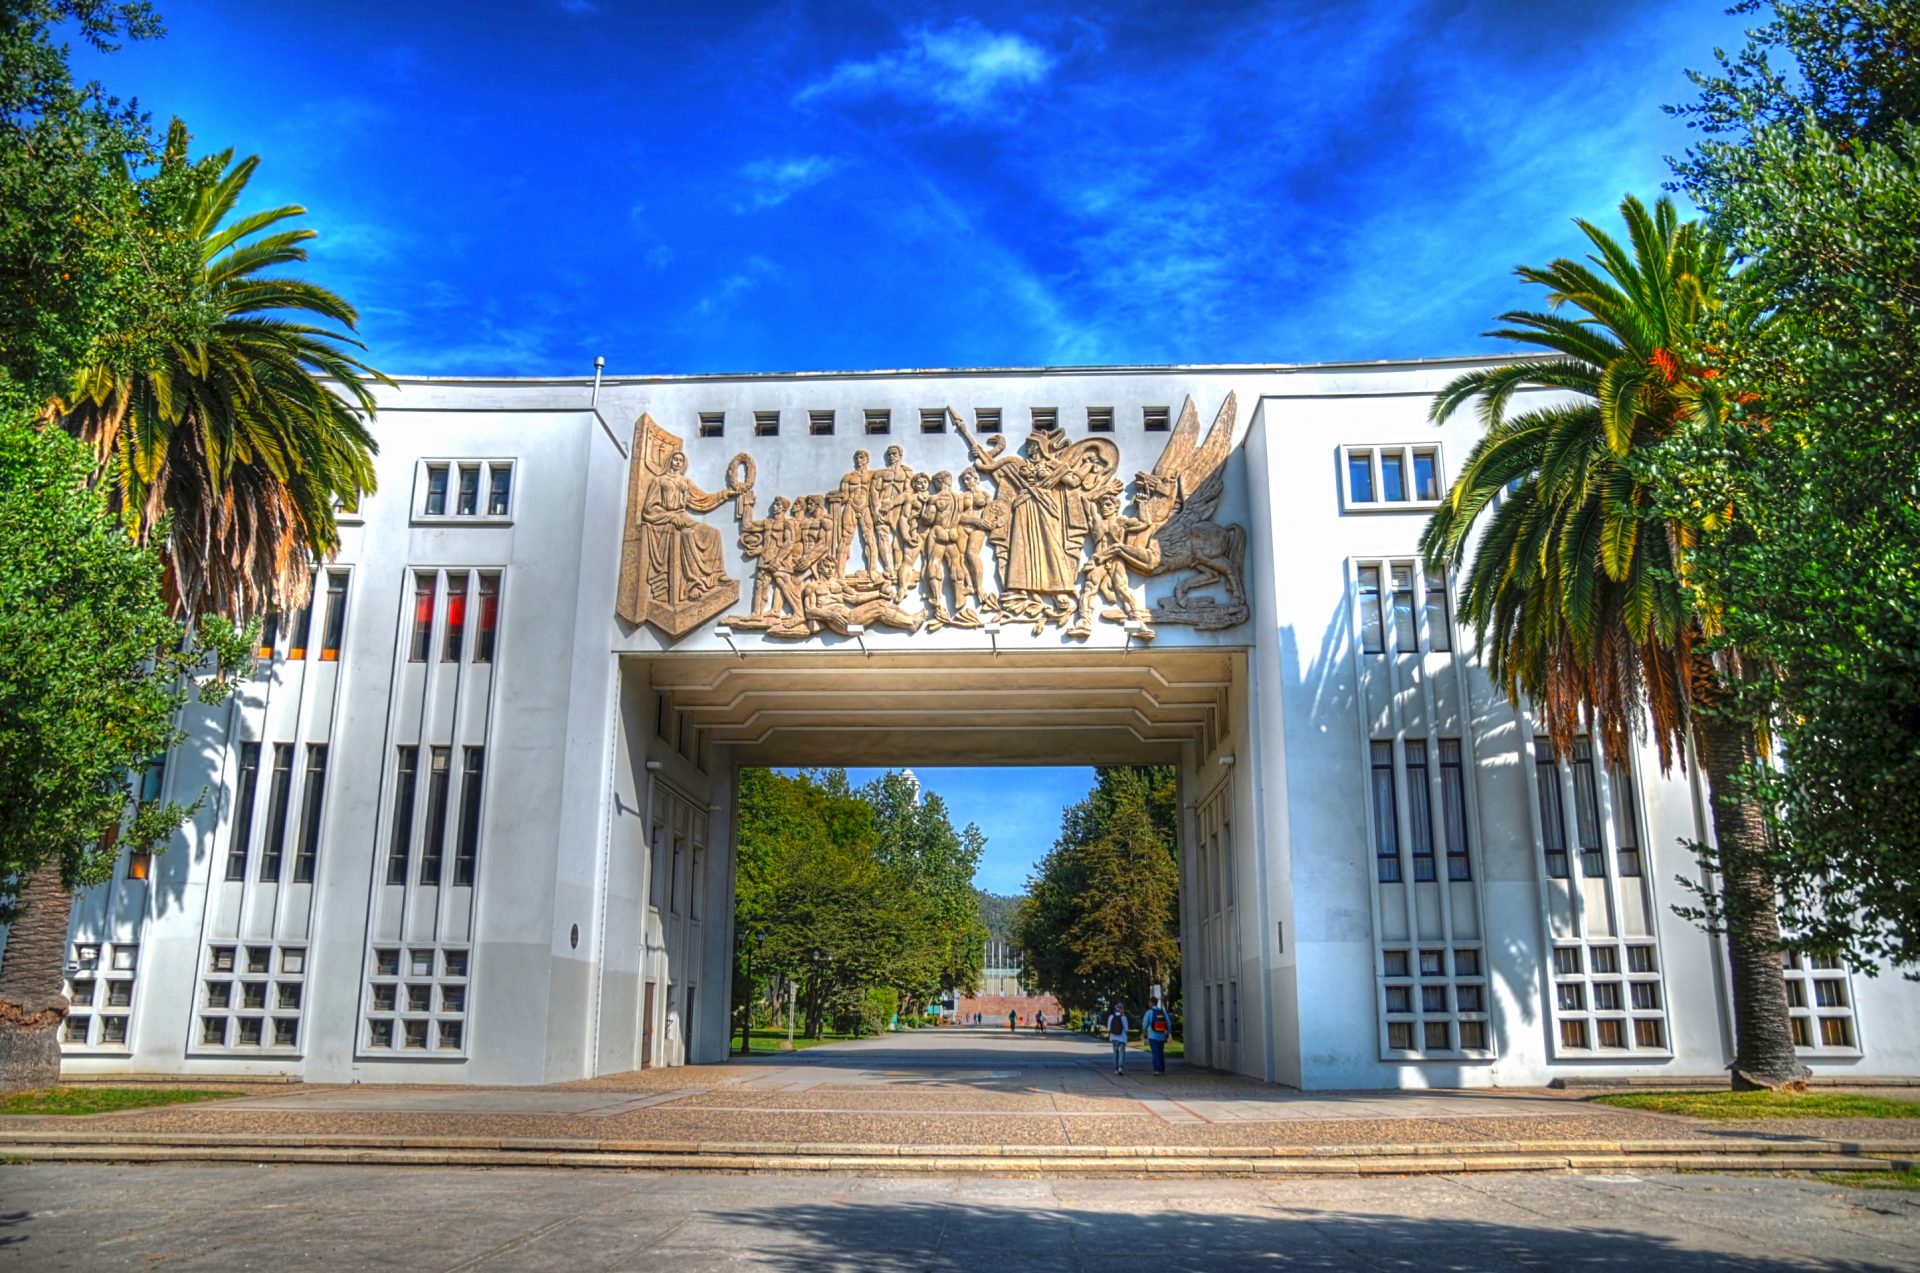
(1025, 708)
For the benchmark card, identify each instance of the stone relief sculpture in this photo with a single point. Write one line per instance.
(672, 566)
(1069, 546)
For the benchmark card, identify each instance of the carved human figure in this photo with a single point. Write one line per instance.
(909, 563)
(684, 559)
(853, 504)
(1114, 540)
(838, 603)
(1038, 566)
(973, 514)
(770, 542)
(893, 519)
(944, 554)
(813, 539)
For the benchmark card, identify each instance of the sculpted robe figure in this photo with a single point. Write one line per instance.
(684, 560)
(1047, 486)
(672, 566)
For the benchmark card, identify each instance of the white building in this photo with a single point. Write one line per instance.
(468, 824)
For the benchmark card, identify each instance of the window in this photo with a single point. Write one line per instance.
(1395, 963)
(269, 632)
(1372, 640)
(1099, 419)
(1426, 477)
(1439, 627)
(432, 850)
(405, 784)
(422, 1011)
(456, 617)
(1386, 816)
(469, 500)
(1553, 823)
(1046, 418)
(986, 419)
(245, 781)
(436, 505)
(1405, 639)
(820, 423)
(879, 421)
(1360, 477)
(1156, 419)
(483, 637)
(248, 999)
(1453, 808)
(301, 630)
(311, 800)
(1391, 479)
(1586, 810)
(713, 424)
(467, 851)
(933, 419)
(423, 590)
(1820, 1009)
(766, 424)
(271, 851)
(499, 489)
(1419, 810)
(336, 616)
(1626, 828)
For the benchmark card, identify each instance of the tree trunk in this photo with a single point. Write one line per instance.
(33, 1001)
(1763, 1057)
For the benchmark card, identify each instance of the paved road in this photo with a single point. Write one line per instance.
(291, 1219)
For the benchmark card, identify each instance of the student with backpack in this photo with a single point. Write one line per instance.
(1158, 1023)
(1117, 1035)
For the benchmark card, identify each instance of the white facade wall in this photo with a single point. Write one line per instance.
(604, 870)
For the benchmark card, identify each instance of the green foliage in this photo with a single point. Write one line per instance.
(105, 1100)
(1746, 1105)
(1000, 915)
(924, 855)
(1806, 498)
(90, 667)
(1101, 916)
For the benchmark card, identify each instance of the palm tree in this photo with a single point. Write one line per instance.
(249, 434)
(1576, 589)
(241, 442)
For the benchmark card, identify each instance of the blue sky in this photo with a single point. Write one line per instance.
(514, 188)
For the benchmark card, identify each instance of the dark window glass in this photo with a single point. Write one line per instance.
(499, 489)
(1393, 478)
(1419, 810)
(1360, 477)
(820, 423)
(434, 846)
(406, 781)
(1099, 419)
(336, 615)
(456, 617)
(987, 419)
(1553, 824)
(879, 422)
(271, 851)
(1426, 476)
(436, 490)
(469, 501)
(1372, 640)
(1453, 808)
(467, 853)
(246, 781)
(269, 631)
(1386, 815)
(1586, 809)
(1439, 629)
(489, 618)
(302, 629)
(423, 589)
(1156, 419)
(766, 424)
(310, 802)
(1626, 826)
(1405, 639)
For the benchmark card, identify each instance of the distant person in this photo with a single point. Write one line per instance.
(1013, 1022)
(1117, 1026)
(1039, 1023)
(1158, 1024)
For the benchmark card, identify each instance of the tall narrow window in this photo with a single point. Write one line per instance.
(483, 636)
(1553, 818)
(311, 796)
(433, 848)
(1393, 476)
(406, 782)
(1360, 477)
(499, 489)
(1439, 623)
(1386, 815)
(275, 844)
(1453, 808)
(423, 587)
(1626, 827)
(1405, 639)
(269, 631)
(467, 852)
(1586, 809)
(1419, 810)
(302, 629)
(336, 616)
(247, 779)
(456, 617)
(469, 501)
(436, 490)
(1372, 640)
(1426, 475)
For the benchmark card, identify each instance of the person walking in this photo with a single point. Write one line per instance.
(1013, 1021)
(1039, 1023)
(1117, 1026)
(1158, 1024)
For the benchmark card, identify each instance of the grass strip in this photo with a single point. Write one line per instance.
(104, 1100)
(1908, 1180)
(1727, 1106)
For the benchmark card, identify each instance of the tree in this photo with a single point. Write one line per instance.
(1101, 916)
(242, 437)
(930, 860)
(1573, 591)
(84, 702)
(1806, 543)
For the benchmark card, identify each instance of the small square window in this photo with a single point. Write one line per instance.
(879, 421)
(1466, 963)
(1468, 999)
(1396, 963)
(114, 1029)
(75, 1029)
(379, 1034)
(1572, 996)
(1156, 419)
(1640, 959)
(1099, 419)
(253, 995)
(286, 994)
(1433, 963)
(1606, 959)
(986, 419)
(453, 998)
(1436, 1037)
(1606, 996)
(82, 994)
(1612, 1032)
(1046, 418)
(820, 423)
(1802, 1032)
(385, 998)
(450, 1032)
(419, 998)
(1473, 1036)
(286, 1031)
(713, 424)
(1646, 995)
(386, 963)
(1828, 992)
(1566, 961)
(1399, 998)
(416, 1034)
(213, 1032)
(250, 1032)
(87, 956)
(259, 958)
(1573, 1034)
(1649, 1034)
(1433, 999)
(125, 957)
(1400, 1036)
(221, 959)
(1796, 993)
(293, 961)
(933, 419)
(219, 994)
(420, 963)
(766, 424)
(456, 962)
(120, 994)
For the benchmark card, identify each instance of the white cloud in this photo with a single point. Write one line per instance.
(777, 180)
(580, 8)
(755, 271)
(965, 69)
